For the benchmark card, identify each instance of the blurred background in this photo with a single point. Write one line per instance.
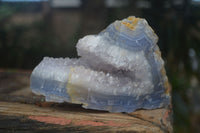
(32, 29)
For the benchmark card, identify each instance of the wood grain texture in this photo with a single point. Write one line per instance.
(22, 111)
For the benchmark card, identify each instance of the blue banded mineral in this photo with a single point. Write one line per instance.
(119, 70)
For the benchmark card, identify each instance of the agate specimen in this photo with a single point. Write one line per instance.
(119, 70)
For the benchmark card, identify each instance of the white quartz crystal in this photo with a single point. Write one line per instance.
(119, 70)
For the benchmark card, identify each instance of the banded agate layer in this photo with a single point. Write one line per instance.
(119, 70)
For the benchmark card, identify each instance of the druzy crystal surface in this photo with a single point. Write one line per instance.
(119, 70)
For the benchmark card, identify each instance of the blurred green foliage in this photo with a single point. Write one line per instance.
(178, 31)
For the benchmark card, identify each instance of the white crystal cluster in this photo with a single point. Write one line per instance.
(119, 70)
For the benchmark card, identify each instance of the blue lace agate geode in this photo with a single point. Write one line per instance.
(119, 70)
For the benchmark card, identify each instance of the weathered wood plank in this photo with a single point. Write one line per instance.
(74, 116)
(22, 111)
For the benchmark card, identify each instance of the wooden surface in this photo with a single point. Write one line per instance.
(22, 111)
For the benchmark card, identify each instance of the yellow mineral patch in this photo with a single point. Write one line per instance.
(166, 83)
(158, 53)
(163, 73)
(74, 94)
(131, 18)
(70, 74)
(74, 91)
(70, 88)
(132, 24)
(167, 86)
